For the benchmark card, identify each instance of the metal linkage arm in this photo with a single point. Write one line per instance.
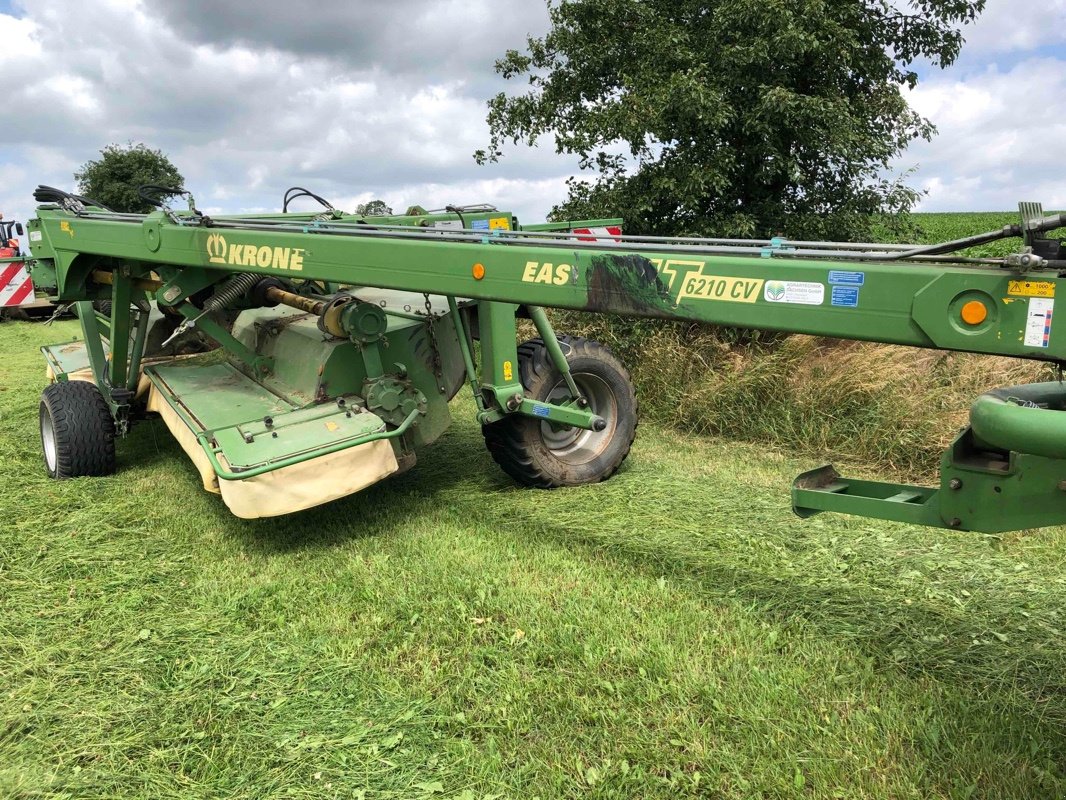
(970, 307)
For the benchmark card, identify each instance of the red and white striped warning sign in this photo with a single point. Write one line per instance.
(595, 234)
(16, 288)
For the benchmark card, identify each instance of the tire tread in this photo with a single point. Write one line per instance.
(505, 438)
(83, 427)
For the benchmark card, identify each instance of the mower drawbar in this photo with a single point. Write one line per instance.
(1005, 471)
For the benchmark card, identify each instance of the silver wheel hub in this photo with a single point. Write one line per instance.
(576, 445)
(48, 441)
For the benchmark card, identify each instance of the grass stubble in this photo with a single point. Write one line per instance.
(674, 632)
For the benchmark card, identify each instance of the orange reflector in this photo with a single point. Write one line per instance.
(974, 313)
(479, 271)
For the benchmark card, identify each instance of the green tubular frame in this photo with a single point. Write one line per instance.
(468, 356)
(1004, 472)
(1016, 442)
(906, 303)
(1027, 419)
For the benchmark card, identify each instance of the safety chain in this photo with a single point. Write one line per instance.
(437, 369)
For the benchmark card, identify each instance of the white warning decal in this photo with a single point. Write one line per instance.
(800, 292)
(1038, 323)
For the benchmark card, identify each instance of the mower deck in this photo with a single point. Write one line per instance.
(264, 454)
(250, 427)
(68, 357)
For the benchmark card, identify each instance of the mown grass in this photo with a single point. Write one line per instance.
(674, 632)
(893, 407)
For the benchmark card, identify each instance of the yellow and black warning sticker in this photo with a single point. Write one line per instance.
(1031, 288)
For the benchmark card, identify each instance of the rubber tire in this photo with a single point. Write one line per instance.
(83, 429)
(516, 441)
(102, 307)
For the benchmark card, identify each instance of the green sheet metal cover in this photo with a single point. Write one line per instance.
(251, 425)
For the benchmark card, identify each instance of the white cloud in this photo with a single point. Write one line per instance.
(247, 111)
(999, 137)
(1009, 26)
(361, 100)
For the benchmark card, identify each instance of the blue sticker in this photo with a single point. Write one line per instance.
(480, 224)
(847, 278)
(846, 296)
(541, 411)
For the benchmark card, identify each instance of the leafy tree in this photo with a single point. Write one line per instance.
(374, 208)
(732, 117)
(120, 171)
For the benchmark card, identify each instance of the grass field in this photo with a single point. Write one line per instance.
(673, 633)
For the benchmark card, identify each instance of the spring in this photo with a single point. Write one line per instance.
(231, 291)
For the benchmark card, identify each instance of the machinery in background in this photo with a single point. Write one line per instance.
(16, 288)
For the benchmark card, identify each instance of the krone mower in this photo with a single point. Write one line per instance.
(339, 341)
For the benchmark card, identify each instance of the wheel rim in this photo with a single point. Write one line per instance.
(576, 445)
(48, 441)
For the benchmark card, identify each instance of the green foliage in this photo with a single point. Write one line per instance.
(744, 117)
(121, 170)
(373, 208)
(674, 633)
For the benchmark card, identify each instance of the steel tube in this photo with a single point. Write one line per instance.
(555, 351)
(108, 278)
(468, 357)
(1023, 419)
(291, 300)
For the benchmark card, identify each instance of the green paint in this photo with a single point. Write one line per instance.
(415, 365)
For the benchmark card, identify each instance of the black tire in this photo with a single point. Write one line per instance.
(535, 454)
(77, 431)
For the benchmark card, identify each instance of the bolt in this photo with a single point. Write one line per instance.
(340, 402)
(268, 421)
(955, 523)
(599, 425)
(955, 484)
(274, 434)
(172, 294)
(248, 438)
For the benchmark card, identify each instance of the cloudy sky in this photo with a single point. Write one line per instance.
(371, 99)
